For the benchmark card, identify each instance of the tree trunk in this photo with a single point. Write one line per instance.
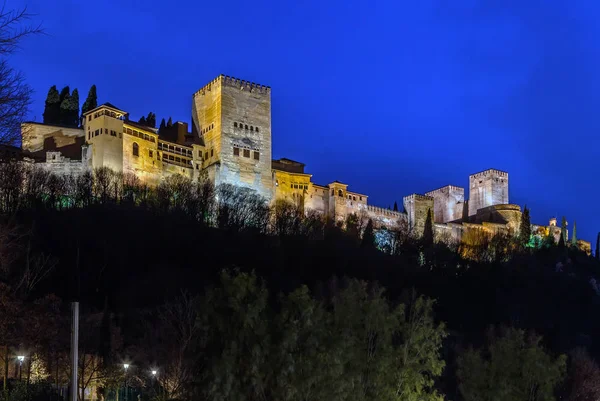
(5, 366)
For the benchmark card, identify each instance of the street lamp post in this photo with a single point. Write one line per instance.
(154, 372)
(21, 358)
(126, 367)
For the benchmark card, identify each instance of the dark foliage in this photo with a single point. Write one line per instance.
(126, 251)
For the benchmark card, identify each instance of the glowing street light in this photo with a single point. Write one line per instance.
(126, 367)
(21, 358)
(154, 373)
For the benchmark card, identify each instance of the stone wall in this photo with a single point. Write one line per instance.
(510, 215)
(487, 188)
(37, 139)
(57, 164)
(448, 203)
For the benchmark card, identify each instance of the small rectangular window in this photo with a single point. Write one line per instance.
(206, 155)
(90, 117)
(212, 152)
(246, 152)
(256, 156)
(200, 154)
(150, 153)
(236, 151)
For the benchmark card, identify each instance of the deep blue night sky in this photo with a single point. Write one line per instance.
(391, 97)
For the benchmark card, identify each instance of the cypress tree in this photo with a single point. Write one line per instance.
(368, 239)
(66, 106)
(151, 120)
(574, 236)
(170, 122)
(428, 230)
(598, 247)
(91, 102)
(563, 229)
(395, 206)
(65, 93)
(74, 115)
(52, 106)
(143, 121)
(525, 235)
(162, 126)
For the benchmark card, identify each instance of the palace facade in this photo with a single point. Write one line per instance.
(230, 141)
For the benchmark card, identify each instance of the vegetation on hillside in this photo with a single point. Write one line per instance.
(199, 282)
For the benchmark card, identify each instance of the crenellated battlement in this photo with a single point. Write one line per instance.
(489, 172)
(384, 211)
(418, 197)
(232, 82)
(443, 189)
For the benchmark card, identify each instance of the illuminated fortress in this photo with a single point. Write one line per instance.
(230, 142)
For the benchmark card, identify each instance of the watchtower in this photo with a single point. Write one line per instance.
(232, 117)
(487, 188)
(417, 207)
(103, 127)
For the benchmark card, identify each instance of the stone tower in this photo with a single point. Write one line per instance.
(416, 208)
(232, 117)
(487, 188)
(103, 127)
(448, 203)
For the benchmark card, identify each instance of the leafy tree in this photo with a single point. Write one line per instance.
(52, 106)
(307, 359)
(91, 102)
(574, 235)
(351, 225)
(583, 382)
(525, 233)
(428, 229)
(395, 206)
(513, 366)
(368, 239)
(235, 319)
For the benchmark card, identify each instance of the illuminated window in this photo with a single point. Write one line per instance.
(236, 151)
(246, 152)
(136, 149)
(256, 156)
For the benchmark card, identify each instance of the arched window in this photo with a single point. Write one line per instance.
(136, 149)
(340, 193)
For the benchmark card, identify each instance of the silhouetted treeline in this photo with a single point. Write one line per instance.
(126, 251)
